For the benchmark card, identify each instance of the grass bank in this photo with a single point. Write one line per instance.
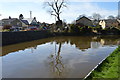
(109, 69)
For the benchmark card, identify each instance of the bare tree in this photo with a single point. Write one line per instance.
(111, 17)
(56, 7)
(96, 16)
(90, 17)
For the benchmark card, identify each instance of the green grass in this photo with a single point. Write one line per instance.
(110, 68)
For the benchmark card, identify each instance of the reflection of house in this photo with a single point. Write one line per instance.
(83, 46)
(95, 44)
(84, 21)
(81, 43)
(109, 41)
(102, 41)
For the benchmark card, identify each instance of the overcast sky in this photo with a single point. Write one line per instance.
(75, 8)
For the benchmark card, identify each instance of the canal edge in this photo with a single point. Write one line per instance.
(96, 66)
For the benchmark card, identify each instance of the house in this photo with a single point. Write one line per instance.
(112, 23)
(34, 22)
(17, 24)
(24, 23)
(102, 23)
(30, 21)
(1, 25)
(95, 22)
(0, 22)
(14, 22)
(84, 21)
(118, 23)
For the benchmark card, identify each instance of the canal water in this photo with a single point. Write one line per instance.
(57, 57)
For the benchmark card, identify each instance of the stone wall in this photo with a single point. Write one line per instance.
(17, 37)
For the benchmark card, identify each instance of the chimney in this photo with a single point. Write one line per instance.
(30, 14)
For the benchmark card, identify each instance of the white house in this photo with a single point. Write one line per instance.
(102, 24)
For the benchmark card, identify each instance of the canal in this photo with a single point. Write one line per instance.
(57, 57)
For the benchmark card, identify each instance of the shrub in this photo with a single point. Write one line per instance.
(74, 28)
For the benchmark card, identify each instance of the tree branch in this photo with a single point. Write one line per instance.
(56, 6)
(60, 5)
(52, 6)
(54, 15)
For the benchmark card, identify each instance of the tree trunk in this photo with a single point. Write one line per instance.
(58, 17)
(59, 50)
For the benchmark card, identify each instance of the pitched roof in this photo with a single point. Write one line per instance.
(29, 20)
(9, 19)
(82, 18)
(25, 21)
(111, 20)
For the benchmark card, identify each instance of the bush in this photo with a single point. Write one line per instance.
(74, 28)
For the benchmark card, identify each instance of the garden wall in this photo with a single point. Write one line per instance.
(23, 36)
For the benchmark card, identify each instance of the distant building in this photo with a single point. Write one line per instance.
(11, 21)
(84, 21)
(24, 23)
(1, 25)
(34, 22)
(0, 22)
(102, 24)
(95, 22)
(112, 23)
(31, 21)
(119, 9)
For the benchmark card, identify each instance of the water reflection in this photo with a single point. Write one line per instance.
(57, 67)
(82, 43)
(58, 57)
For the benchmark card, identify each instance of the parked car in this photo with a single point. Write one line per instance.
(15, 29)
(32, 28)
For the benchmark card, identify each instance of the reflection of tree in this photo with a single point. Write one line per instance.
(56, 63)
